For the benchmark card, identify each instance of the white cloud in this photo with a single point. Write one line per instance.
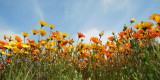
(8, 33)
(5, 30)
(94, 32)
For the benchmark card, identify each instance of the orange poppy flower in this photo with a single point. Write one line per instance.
(35, 58)
(80, 35)
(56, 34)
(136, 35)
(94, 39)
(153, 35)
(1, 64)
(19, 46)
(34, 53)
(2, 47)
(142, 55)
(110, 38)
(8, 61)
(158, 25)
(140, 31)
(86, 54)
(65, 53)
(128, 45)
(65, 42)
(108, 54)
(121, 34)
(86, 61)
(31, 41)
(2, 42)
(18, 39)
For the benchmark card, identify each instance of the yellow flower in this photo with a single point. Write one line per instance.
(51, 26)
(71, 41)
(21, 51)
(48, 43)
(43, 42)
(133, 20)
(152, 17)
(72, 46)
(96, 56)
(137, 26)
(8, 55)
(26, 52)
(10, 38)
(93, 45)
(54, 49)
(53, 43)
(59, 39)
(47, 47)
(51, 37)
(12, 43)
(34, 31)
(7, 46)
(64, 34)
(3, 52)
(157, 18)
(25, 46)
(155, 29)
(42, 23)
(146, 25)
(25, 34)
(15, 50)
(42, 32)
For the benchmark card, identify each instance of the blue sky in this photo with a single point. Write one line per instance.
(71, 16)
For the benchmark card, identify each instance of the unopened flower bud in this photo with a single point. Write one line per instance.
(133, 20)
(114, 38)
(82, 40)
(142, 21)
(113, 33)
(38, 40)
(124, 38)
(125, 27)
(5, 37)
(101, 34)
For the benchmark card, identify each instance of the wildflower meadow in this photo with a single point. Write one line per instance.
(132, 54)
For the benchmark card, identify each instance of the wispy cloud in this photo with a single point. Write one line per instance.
(37, 9)
(91, 25)
(105, 12)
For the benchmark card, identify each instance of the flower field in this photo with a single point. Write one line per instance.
(132, 54)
